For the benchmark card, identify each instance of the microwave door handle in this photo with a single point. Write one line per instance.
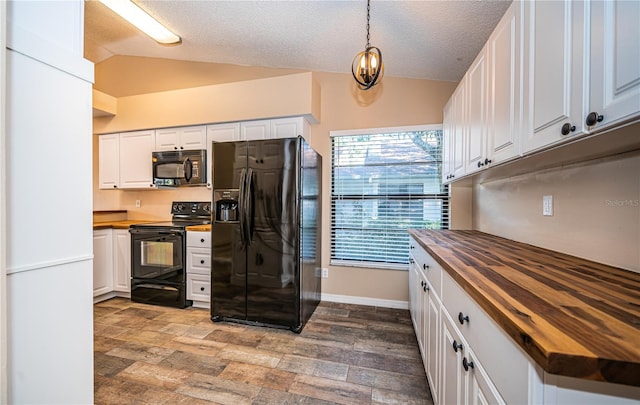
(188, 169)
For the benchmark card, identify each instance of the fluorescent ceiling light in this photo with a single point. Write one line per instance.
(143, 21)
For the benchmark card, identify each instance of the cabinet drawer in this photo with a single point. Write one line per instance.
(429, 267)
(504, 361)
(198, 287)
(198, 261)
(199, 239)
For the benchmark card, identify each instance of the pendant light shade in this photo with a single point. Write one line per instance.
(367, 67)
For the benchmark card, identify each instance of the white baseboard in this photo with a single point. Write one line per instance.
(375, 302)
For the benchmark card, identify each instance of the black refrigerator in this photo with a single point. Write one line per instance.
(265, 241)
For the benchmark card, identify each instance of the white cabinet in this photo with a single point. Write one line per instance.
(477, 151)
(199, 268)
(102, 262)
(290, 128)
(451, 350)
(505, 86)
(122, 260)
(135, 159)
(181, 138)
(219, 133)
(109, 161)
(614, 63)
(554, 65)
(252, 130)
(454, 135)
(124, 160)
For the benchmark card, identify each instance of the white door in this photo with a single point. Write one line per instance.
(136, 169)
(109, 161)
(122, 260)
(102, 262)
(477, 103)
(555, 61)
(615, 62)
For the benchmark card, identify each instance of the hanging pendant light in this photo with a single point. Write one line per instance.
(367, 67)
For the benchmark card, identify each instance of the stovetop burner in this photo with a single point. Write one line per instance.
(184, 214)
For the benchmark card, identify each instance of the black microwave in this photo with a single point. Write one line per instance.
(179, 168)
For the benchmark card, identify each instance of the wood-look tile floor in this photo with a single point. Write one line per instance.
(346, 354)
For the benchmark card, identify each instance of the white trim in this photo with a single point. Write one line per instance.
(387, 130)
(3, 207)
(43, 50)
(374, 302)
(51, 263)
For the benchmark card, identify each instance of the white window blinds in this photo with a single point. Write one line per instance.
(381, 185)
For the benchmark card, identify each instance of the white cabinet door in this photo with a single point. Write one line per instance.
(135, 159)
(122, 260)
(102, 262)
(458, 130)
(477, 103)
(252, 130)
(432, 346)
(554, 64)
(615, 62)
(109, 161)
(180, 138)
(219, 133)
(447, 141)
(290, 128)
(193, 137)
(505, 83)
(480, 390)
(452, 348)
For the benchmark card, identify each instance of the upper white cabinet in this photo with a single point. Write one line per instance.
(181, 138)
(219, 133)
(290, 128)
(252, 130)
(136, 169)
(454, 135)
(505, 86)
(476, 79)
(109, 161)
(555, 71)
(614, 63)
(125, 160)
(554, 66)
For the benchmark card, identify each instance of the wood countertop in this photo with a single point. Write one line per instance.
(118, 224)
(574, 317)
(199, 228)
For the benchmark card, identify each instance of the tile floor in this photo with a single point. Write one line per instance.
(346, 354)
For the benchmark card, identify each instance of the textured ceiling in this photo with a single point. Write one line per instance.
(419, 39)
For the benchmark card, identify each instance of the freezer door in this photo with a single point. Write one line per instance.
(228, 251)
(272, 254)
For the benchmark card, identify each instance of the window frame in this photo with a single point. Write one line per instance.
(445, 197)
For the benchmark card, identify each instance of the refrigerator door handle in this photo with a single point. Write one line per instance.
(248, 207)
(241, 204)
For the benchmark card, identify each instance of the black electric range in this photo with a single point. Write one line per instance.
(159, 255)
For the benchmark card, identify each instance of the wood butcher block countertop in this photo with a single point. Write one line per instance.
(118, 224)
(199, 228)
(574, 317)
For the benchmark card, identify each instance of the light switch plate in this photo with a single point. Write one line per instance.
(547, 205)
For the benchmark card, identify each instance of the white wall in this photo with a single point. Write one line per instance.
(596, 209)
(48, 241)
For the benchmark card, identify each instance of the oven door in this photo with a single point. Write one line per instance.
(157, 255)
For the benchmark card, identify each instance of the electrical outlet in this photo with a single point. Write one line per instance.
(547, 205)
(325, 272)
(137, 203)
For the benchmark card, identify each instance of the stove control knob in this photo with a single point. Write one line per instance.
(180, 207)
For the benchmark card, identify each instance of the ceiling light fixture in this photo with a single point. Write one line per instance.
(143, 21)
(367, 67)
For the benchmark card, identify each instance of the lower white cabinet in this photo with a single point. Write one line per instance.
(102, 262)
(111, 263)
(199, 268)
(469, 359)
(122, 260)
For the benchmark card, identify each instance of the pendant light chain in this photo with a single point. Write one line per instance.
(368, 18)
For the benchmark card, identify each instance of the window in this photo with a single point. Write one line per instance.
(382, 183)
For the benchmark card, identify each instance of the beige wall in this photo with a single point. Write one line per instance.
(395, 102)
(596, 209)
